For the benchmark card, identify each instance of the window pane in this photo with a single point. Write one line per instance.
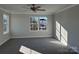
(42, 23)
(5, 27)
(38, 23)
(64, 33)
(63, 40)
(34, 23)
(5, 23)
(58, 34)
(58, 30)
(58, 26)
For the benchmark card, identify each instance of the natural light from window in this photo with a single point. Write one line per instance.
(27, 50)
(61, 33)
(5, 24)
(58, 30)
(38, 23)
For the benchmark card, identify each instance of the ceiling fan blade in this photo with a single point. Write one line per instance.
(41, 10)
(38, 6)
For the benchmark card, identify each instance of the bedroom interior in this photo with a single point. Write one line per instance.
(39, 28)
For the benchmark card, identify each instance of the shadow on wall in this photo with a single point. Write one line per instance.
(61, 33)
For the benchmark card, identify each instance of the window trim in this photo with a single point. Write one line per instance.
(38, 22)
(61, 37)
(7, 24)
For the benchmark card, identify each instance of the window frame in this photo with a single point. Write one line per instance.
(6, 17)
(38, 22)
(61, 33)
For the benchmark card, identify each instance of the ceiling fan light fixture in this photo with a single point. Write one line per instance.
(34, 7)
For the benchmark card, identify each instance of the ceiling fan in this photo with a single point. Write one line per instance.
(35, 8)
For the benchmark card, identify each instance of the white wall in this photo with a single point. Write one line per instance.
(69, 19)
(20, 26)
(3, 38)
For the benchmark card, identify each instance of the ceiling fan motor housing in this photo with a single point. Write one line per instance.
(33, 8)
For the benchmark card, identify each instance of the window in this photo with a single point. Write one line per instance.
(58, 30)
(5, 24)
(1, 26)
(34, 23)
(38, 23)
(42, 23)
(61, 33)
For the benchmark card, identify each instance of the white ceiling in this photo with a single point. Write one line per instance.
(24, 8)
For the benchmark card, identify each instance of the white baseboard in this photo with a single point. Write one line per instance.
(30, 36)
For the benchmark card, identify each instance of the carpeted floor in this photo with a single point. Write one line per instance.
(42, 45)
